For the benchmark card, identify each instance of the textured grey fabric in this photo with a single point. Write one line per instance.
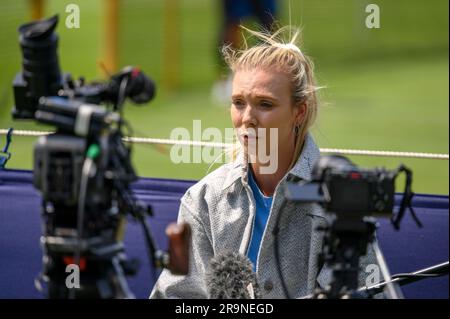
(220, 208)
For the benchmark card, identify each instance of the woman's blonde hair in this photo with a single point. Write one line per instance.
(273, 53)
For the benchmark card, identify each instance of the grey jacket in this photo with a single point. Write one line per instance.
(220, 209)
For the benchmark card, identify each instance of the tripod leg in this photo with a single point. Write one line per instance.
(123, 291)
(392, 289)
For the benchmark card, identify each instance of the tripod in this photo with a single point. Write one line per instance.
(345, 241)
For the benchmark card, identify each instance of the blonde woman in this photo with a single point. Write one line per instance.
(235, 208)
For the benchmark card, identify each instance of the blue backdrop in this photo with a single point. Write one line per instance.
(407, 250)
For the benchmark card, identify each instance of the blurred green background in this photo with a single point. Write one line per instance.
(386, 88)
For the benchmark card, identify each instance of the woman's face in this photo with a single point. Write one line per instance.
(262, 99)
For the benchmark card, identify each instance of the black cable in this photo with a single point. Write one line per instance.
(87, 167)
(121, 96)
(407, 278)
(406, 275)
(151, 246)
(129, 200)
(406, 202)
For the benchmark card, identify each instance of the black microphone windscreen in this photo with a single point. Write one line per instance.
(142, 89)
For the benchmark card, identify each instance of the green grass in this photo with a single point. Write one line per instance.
(386, 89)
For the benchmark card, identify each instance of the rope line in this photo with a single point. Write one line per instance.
(143, 140)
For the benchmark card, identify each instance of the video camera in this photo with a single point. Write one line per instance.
(344, 188)
(351, 198)
(84, 171)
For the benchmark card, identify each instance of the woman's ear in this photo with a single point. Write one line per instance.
(300, 112)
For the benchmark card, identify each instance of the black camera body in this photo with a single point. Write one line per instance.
(344, 188)
(58, 160)
(354, 191)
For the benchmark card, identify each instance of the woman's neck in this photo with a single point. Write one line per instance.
(268, 182)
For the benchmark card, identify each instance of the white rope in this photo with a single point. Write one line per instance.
(25, 133)
(143, 140)
(385, 153)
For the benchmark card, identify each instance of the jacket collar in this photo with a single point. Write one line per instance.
(301, 170)
(309, 155)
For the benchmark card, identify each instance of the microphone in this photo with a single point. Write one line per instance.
(230, 276)
(140, 88)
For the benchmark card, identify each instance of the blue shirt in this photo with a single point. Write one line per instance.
(263, 205)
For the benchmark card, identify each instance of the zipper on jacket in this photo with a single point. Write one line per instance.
(252, 211)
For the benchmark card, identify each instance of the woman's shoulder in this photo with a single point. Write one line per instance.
(214, 185)
(205, 196)
(216, 182)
